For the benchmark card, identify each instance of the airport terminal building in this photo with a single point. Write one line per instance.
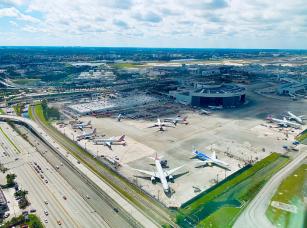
(202, 95)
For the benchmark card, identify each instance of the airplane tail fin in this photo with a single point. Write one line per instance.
(213, 155)
(269, 117)
(122, 138)
(94, 131)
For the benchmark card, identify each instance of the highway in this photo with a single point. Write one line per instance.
(134, 215)
(254, 214)
(147, 206)
(73, 212)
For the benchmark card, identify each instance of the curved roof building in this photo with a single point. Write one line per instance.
(226, 95)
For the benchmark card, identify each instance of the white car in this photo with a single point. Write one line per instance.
(46, 212)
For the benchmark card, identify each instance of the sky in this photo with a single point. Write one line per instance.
(155, 23)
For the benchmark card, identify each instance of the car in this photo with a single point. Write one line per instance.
(45, 220)
(46, 202)
(88, 197)
(6, 215)
(59, 222)
(25, 212)
(46, 212)
(32, 210)
(16, 159)
(78, 162)
(64, 197)
(46, 181)
(116, 210)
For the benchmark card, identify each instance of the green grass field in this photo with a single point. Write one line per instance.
(1, 111)
(302, 137)
(221, 206)
(126, 65)
(26, 81)
(291, 191)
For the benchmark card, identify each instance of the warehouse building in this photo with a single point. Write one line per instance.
(202, 95)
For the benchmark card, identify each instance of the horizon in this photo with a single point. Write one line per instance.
(149, 47)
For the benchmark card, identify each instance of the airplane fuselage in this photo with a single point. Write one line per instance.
(162, 176)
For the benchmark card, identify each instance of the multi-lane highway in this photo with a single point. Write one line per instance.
(149, 207)
(254, 215)
(131, 214)
(46, 194)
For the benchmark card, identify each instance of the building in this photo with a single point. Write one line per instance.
(291, 89)
(202, 95)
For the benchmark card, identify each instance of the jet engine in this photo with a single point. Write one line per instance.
(153, 180)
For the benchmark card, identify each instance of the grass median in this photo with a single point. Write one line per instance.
(8, 138)
(290, 192)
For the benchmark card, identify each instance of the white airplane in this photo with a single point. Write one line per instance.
(89, 135)
(207, 159)
(213, 107)
(298, 119)
(119, 117)
(177, 119)
(111, 141)
(163, 175)
(205, 112)
(283, 122)
(160, 125)
(82, 125)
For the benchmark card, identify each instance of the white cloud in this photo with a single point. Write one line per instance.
(15, 13)
(199, 19)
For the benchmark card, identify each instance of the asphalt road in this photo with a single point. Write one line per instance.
(148, 206)
(254, 215)
(73, 212)
(99, 202)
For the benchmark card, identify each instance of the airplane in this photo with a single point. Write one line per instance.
(283, 122)
(82, 125)
(160, 125)
(177, 119)
(89, 135)
(213, 107)
(205, 112)
(163, 175)
(119, 117)
(207, 159)
(111, 141)
(298, 119)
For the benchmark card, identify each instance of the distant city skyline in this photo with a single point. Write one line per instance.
(156, 23)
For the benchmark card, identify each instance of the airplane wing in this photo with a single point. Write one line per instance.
(170, 172)
(153, 174)
(153, 126)
(108, 144)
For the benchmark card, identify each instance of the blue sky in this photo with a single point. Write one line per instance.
(155, 23)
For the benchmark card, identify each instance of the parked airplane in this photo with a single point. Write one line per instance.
(205, 112)
(163, 175)
(119, 117)
(207, 159)
(177, 119)
(283, 122)
(82, 125)
(111, 141)
(160, 125)
(298, 119)
(213, 107)
(89, 135)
